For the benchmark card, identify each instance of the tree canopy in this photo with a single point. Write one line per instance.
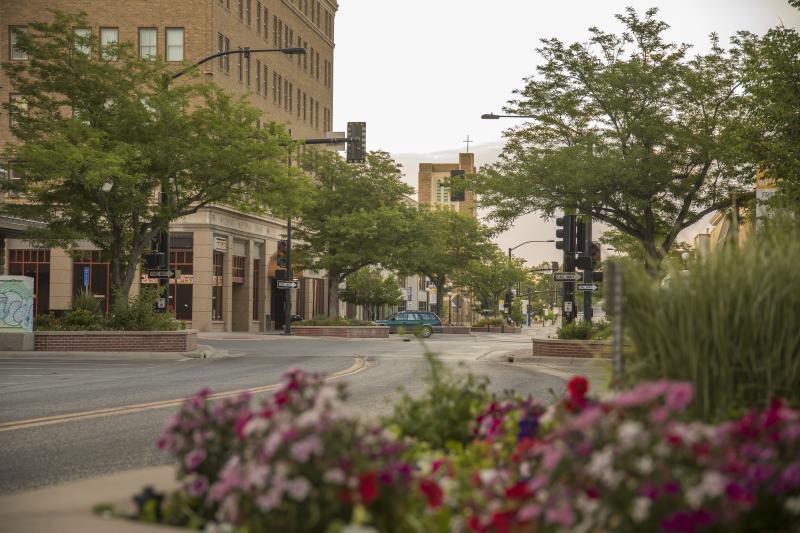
(627, 128)
(370, 287)
(491, 276)
(357, 217)
(97, 139)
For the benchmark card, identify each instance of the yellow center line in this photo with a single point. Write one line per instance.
(359, 365)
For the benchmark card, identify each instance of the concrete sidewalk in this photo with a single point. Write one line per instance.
(68, 508)
(202, 352)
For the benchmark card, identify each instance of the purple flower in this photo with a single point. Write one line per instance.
(198, 486)
(687, 521)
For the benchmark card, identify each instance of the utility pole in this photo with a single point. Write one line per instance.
(588, 273)
(568, 225)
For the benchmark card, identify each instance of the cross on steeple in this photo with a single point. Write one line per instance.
(467, 140)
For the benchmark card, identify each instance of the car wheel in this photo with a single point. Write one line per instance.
(425, 332)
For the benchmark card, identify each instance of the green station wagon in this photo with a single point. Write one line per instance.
(422, 323)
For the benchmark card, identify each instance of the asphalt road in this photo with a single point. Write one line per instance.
(69, 418)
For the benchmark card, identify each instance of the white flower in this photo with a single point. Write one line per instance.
(713, 484)
(694, 497)
(586, 505)
(629, 433)
(487, 475)
(335, 476)
(299, 488)
(793, 505)
(601, 461)
(641, 509)
(644, 465)
(549, 415)
(255, 425)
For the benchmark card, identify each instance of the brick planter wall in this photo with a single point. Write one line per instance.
(570, 348)
(496, 329)
(352, 332)
(115, 341)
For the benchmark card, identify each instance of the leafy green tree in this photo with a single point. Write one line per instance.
(626, 128)
(369, 287)
(84, 124)
(491, 276)
(448, 241)
(771, 132)
(356, 217)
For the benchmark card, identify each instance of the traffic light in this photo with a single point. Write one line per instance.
(554, 266)
(566, 233)
(283, 258)
(457, 192)
(580, 236)
(356, 142)
(596, 255)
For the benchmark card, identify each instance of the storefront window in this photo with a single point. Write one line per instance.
(238, 269)
(256, 288)
(181, 259)
(91, 274)
(217, 284)
(34, 264)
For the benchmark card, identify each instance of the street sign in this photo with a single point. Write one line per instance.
(161, 273)
(283, 284)
(567, 276)
(587, 286)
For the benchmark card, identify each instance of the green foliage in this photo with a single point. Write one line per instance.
(731, 326)
(82, 320)
(48, 322)
(89, 122)
(356, 216)
(490, 276)
(516, 311)
(483, 322)
(623, 133)
(369, 287)
(444, 414)
(578, 330)
(138, 313)
(334, 321)
(84, 300)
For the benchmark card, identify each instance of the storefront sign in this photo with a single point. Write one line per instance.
(86, 277)
(220, 244)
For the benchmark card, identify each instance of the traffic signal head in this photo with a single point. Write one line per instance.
(554, 266)
(283, 258)
(356, 142)
(566, 233)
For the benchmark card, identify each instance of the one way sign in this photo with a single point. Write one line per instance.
(587, 286)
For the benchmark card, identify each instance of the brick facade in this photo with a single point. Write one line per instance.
(570, 348)
(115, 341)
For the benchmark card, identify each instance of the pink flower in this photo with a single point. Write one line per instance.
(302, 450)
(194, 458)
(299, 488)
(560, 514)
(679, 395)
(528, 513)
(198, 486)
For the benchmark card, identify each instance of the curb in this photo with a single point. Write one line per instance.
(202, 352)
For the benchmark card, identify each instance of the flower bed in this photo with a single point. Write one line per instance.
(569, 348)
(301, 461)
(363, 332)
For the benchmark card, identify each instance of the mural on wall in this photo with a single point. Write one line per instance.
(16, 303)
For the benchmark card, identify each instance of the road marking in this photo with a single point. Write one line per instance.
(358, 365)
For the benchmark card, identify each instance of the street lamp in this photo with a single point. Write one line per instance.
(492, 116)
(246, 51)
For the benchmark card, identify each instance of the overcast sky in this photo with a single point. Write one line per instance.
(421, 72)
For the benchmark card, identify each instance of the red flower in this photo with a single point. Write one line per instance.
(501, 522)
(241, 422)
(368, 487)
(474, 524)
(577, 387)
(433, 492)
(516, 491)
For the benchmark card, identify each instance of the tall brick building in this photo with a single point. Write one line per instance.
(226, 258)
(433, 188)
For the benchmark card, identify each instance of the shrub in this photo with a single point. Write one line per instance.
(138, 313)
(83, 300)
(731, 326)
(82, 320)
(579, 330)
(334, 321)
(48, 322)
(443, 414)
(483, 322)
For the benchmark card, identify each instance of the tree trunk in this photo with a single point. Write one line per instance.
(439, 297)
(333, 295)
(652, 258)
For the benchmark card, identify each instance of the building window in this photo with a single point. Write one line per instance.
(240, 66)
(13, 37)
(275, 32)
(241, 9)
(83, 41)
(217, 285)
(227, 58)
(305, 56)
(316, 114)
(304, 107)
(109, 38)
(317, 60)
(287, 96)
(91, 274)
(256, 288)
(147, 42)
(247, 12)
(181, 287)
(258, 76)
(266, 24)
(238, 269)
(258, 18)
(266, 85)
(247, 70)
(311, 110)
(221, 48)
(298, 103)
(34, 264)
(174, 44)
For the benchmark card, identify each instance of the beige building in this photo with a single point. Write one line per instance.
(225, 259)
(433, 188)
